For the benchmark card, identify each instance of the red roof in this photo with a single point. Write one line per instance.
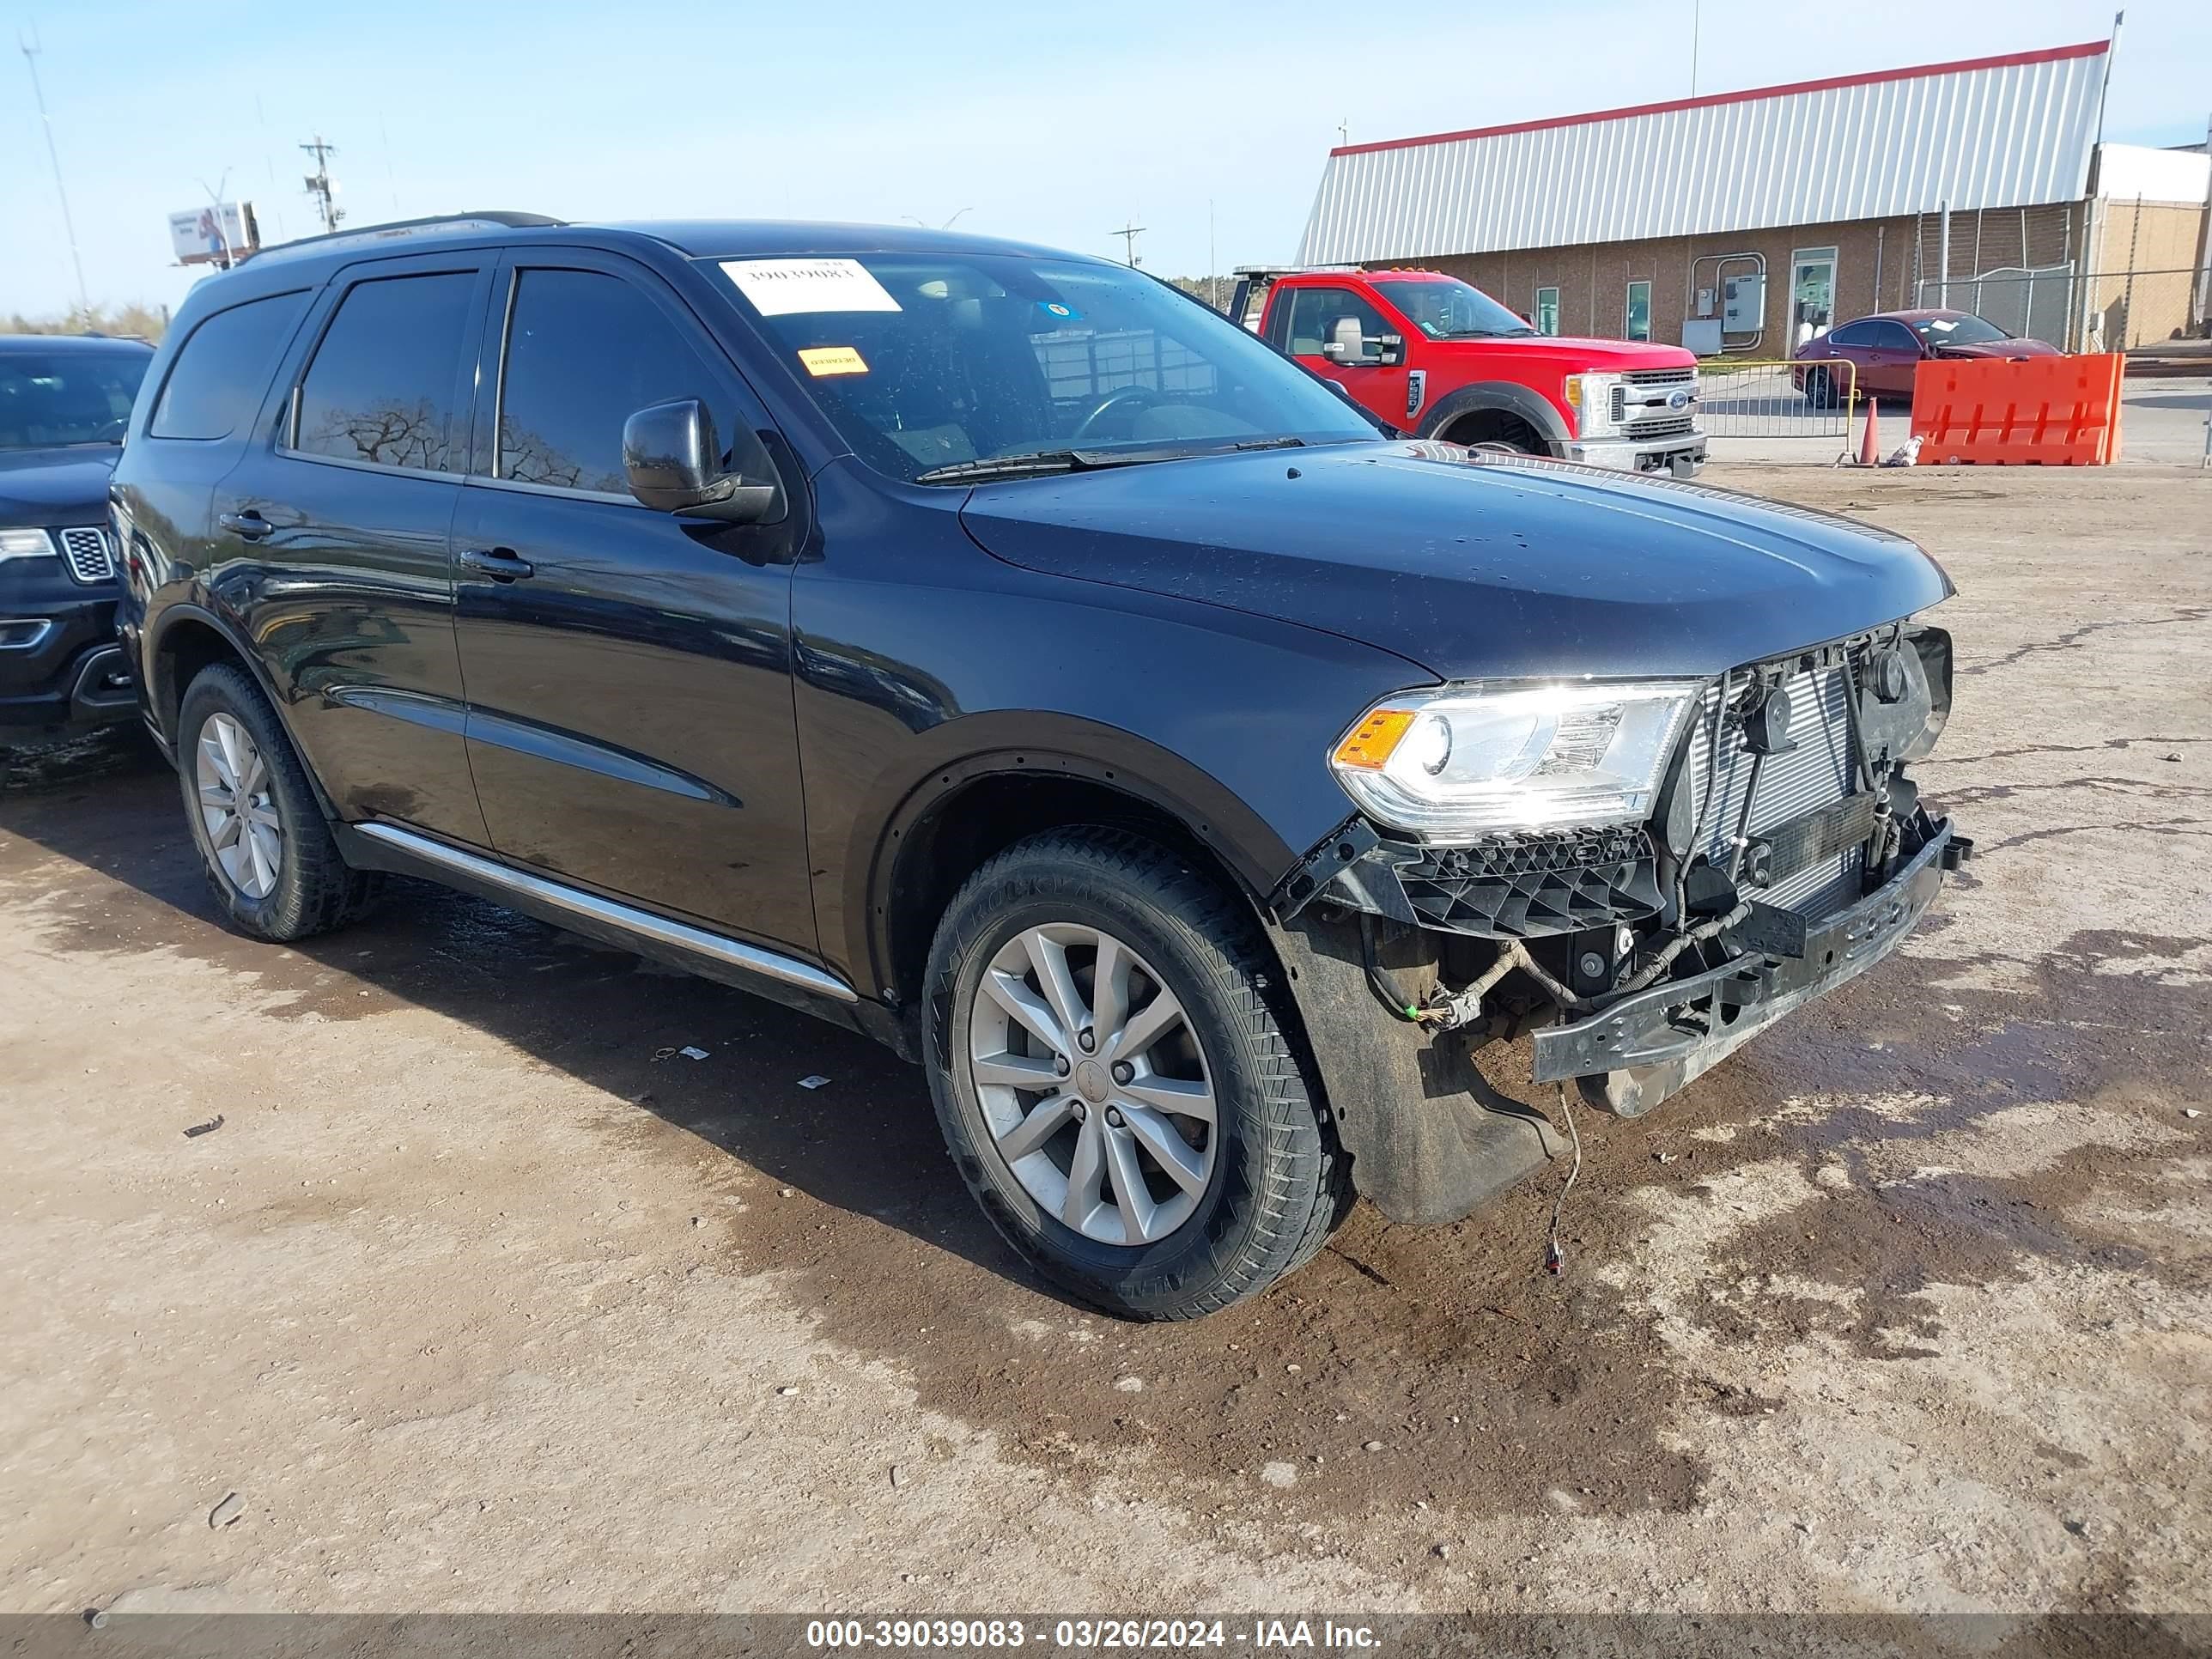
(2049, 54)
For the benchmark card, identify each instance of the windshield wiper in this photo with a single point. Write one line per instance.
(1038, 462)
(1493, 334)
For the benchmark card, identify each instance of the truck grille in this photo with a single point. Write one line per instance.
(1817, 772)
(84, 550)
(1661, 426)
(1661, 377)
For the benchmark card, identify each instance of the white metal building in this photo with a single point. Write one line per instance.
(1756, 217)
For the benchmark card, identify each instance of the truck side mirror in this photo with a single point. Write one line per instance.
(1347, 342)
(674, 464)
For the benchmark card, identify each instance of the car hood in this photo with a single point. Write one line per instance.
(38, 484)
(1469, 565)
(1569, 353)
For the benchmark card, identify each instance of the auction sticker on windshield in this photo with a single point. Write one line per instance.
(782, 287)
(832, 360)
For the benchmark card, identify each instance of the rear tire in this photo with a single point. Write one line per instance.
(1259, 1186)
(1820, 389)
(247, 796)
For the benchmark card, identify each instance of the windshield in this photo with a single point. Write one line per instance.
(1958, 331)
(48, 398)
(1448, 309)
(940, 363)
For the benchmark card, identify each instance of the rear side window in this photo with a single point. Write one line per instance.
(216, 382)
(382, 385)
(585, 352)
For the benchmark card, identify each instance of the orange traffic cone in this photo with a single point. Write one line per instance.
(1870, 441)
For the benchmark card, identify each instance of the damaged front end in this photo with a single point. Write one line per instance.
(1785, 851)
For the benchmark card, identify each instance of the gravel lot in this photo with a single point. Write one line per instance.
(477, 1304)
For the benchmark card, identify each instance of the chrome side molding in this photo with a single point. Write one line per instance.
(752, 958)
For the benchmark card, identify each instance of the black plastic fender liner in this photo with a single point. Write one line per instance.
(1431, 1140)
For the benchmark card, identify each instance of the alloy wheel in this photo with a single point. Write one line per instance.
(236, 807)
(1093, 1084)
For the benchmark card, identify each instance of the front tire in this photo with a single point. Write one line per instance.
(270, 860)
(1121, 1080)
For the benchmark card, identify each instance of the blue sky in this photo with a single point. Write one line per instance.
(1052, 124)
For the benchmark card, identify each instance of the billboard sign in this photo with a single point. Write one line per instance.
(219, 233)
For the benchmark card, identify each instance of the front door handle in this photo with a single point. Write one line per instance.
(247, 526)
(497, 562)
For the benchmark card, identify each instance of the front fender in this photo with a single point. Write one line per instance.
(1506, 396)
(923, 663)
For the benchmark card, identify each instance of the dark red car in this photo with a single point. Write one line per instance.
(1888, 346)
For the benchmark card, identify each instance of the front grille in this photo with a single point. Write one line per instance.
(85, 552)
(1660, 377)
(1661, 426)
(1817, 772)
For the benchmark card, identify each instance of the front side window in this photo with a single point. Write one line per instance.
(1896, 337)
(926, 361)
(585, 352)
(382, 385)
(1547, 311)
(1445, 308)
(216, 382)
(1639, 311)
(49, 399)
(1315, 313)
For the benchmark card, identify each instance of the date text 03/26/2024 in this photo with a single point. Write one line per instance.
(1089, 1634)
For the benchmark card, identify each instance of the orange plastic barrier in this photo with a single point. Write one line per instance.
(2034, 411)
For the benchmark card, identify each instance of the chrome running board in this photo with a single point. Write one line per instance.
(607, 913)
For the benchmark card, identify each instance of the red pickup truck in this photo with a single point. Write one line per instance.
(1438, 358)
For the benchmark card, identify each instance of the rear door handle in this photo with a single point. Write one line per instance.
(247, 526)
(497, 562)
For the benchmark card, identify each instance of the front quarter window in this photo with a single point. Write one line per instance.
(925, 361)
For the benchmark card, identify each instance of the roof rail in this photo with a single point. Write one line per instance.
(499, 217)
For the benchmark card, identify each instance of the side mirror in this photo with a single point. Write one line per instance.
(1393, 350)
(674, 462)
(1347, 342)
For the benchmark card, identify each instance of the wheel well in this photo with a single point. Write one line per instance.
(1496, 426)
(951, 841)
(186, 649)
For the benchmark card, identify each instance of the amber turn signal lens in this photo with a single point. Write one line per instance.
(1373, 739)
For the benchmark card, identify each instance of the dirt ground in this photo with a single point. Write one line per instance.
(475, 1304)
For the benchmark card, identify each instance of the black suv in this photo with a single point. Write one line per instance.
(65, 402)
(999, 652)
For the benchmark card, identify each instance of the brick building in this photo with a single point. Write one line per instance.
(1744, 222)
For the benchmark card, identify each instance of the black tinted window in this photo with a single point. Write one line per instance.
(216, 382)
(380, 387)
(1853, 334)
(585, 352)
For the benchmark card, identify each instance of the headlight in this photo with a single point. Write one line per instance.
(1595, 399)
(25, 544)
(1471, 760)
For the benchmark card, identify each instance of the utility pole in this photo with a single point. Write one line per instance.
(31, 50)
(1697, 24)
(319, 182)
(1128, 234)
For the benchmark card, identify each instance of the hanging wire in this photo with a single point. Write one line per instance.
(1555, 1257)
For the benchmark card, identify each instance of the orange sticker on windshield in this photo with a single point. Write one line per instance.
(832, 360)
